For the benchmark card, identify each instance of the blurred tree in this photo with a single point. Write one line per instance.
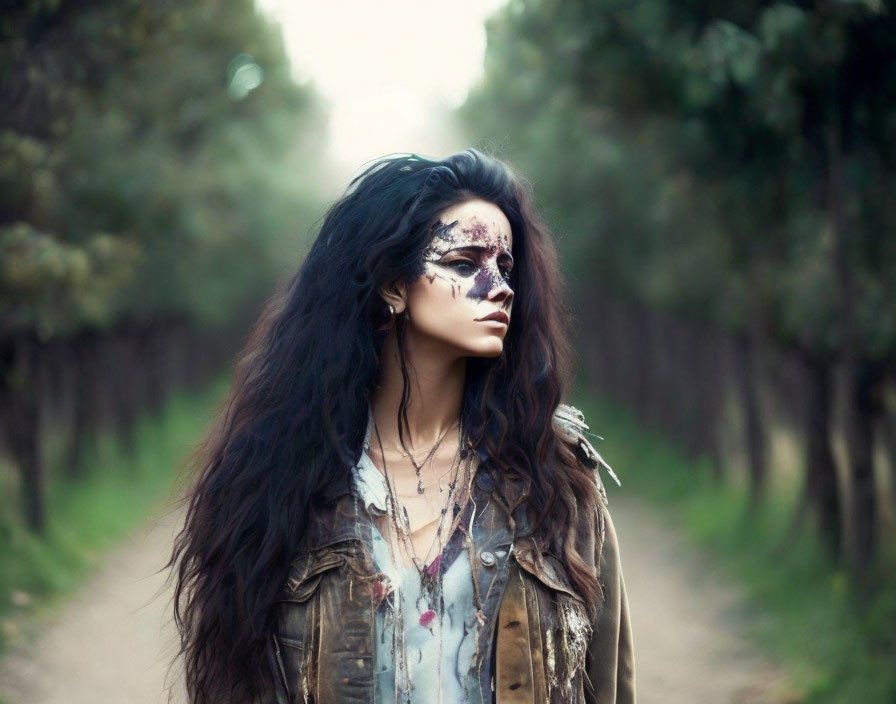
(724, 161)
(156, 166)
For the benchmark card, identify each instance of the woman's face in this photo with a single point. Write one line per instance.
(462, 301)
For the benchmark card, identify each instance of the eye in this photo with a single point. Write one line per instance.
(506, 273)
(462, 266)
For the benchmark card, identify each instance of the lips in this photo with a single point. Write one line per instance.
(499, 316)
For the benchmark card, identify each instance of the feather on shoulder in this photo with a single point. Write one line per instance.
(572, 421)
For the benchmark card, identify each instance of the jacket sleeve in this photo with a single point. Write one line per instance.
(610, 661)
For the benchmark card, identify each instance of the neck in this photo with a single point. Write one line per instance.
(435, 400)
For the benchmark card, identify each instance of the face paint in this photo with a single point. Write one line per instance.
(462, 296)
(476, 240)
(486, 279)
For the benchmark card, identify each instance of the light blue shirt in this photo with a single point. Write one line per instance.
(438, 652)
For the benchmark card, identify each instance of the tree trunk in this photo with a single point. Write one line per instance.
(709, 397)
(641, 364)
(864, 405)
(694, 387)
(125, 394)
(154, 352)
(22, 385)
(822, 492)
(675, 396)
(888, 431)
(745, 353)
(862, 379)
(85, 415)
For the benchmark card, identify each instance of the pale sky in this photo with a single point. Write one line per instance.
(387, 69)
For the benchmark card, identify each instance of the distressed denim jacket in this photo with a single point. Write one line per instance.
(535, 643)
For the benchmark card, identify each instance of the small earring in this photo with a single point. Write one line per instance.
(391, 309)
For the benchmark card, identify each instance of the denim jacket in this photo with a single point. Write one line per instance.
(535, 643)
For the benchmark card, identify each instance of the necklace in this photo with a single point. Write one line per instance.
(434, 482)
(429, 602)
(396, 508)
(418, 468)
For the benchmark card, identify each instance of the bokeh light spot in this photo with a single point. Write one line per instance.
(243, 76)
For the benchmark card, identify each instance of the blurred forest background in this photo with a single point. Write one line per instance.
(157, 164)
(717, 175)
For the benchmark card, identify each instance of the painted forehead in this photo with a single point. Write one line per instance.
(494, 237)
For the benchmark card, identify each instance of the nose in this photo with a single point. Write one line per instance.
(501, 292)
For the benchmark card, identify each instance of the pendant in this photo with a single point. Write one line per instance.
(420, 486)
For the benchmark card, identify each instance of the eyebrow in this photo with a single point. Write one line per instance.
(475, 248)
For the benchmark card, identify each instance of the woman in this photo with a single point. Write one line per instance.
(394, 505)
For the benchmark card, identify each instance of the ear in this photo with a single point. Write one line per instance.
(395, 295)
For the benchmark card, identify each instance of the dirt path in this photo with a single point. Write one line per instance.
(688, 632)
(111, 643)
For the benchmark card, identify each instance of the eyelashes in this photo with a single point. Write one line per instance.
(466, 268)
(462, 267)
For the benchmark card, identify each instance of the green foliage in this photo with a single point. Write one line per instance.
(685, 152)
(162, 161)
(57, 286)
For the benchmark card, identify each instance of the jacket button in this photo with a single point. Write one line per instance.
(488, 558)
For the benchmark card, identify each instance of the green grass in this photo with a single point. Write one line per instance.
(87, 517)
(835, 646)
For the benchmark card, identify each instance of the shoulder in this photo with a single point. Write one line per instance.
(593, 524)
(570, 421)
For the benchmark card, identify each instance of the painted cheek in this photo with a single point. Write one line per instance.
(486, 279)
(435, 277)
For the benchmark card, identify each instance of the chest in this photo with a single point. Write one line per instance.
(415, 511)
(526, 616)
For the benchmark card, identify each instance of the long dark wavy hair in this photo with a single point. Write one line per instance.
(295, 418)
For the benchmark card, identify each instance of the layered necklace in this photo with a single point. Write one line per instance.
(430, 604)
(418, 468)
(458, 473)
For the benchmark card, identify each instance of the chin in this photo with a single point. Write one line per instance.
(494, 350)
